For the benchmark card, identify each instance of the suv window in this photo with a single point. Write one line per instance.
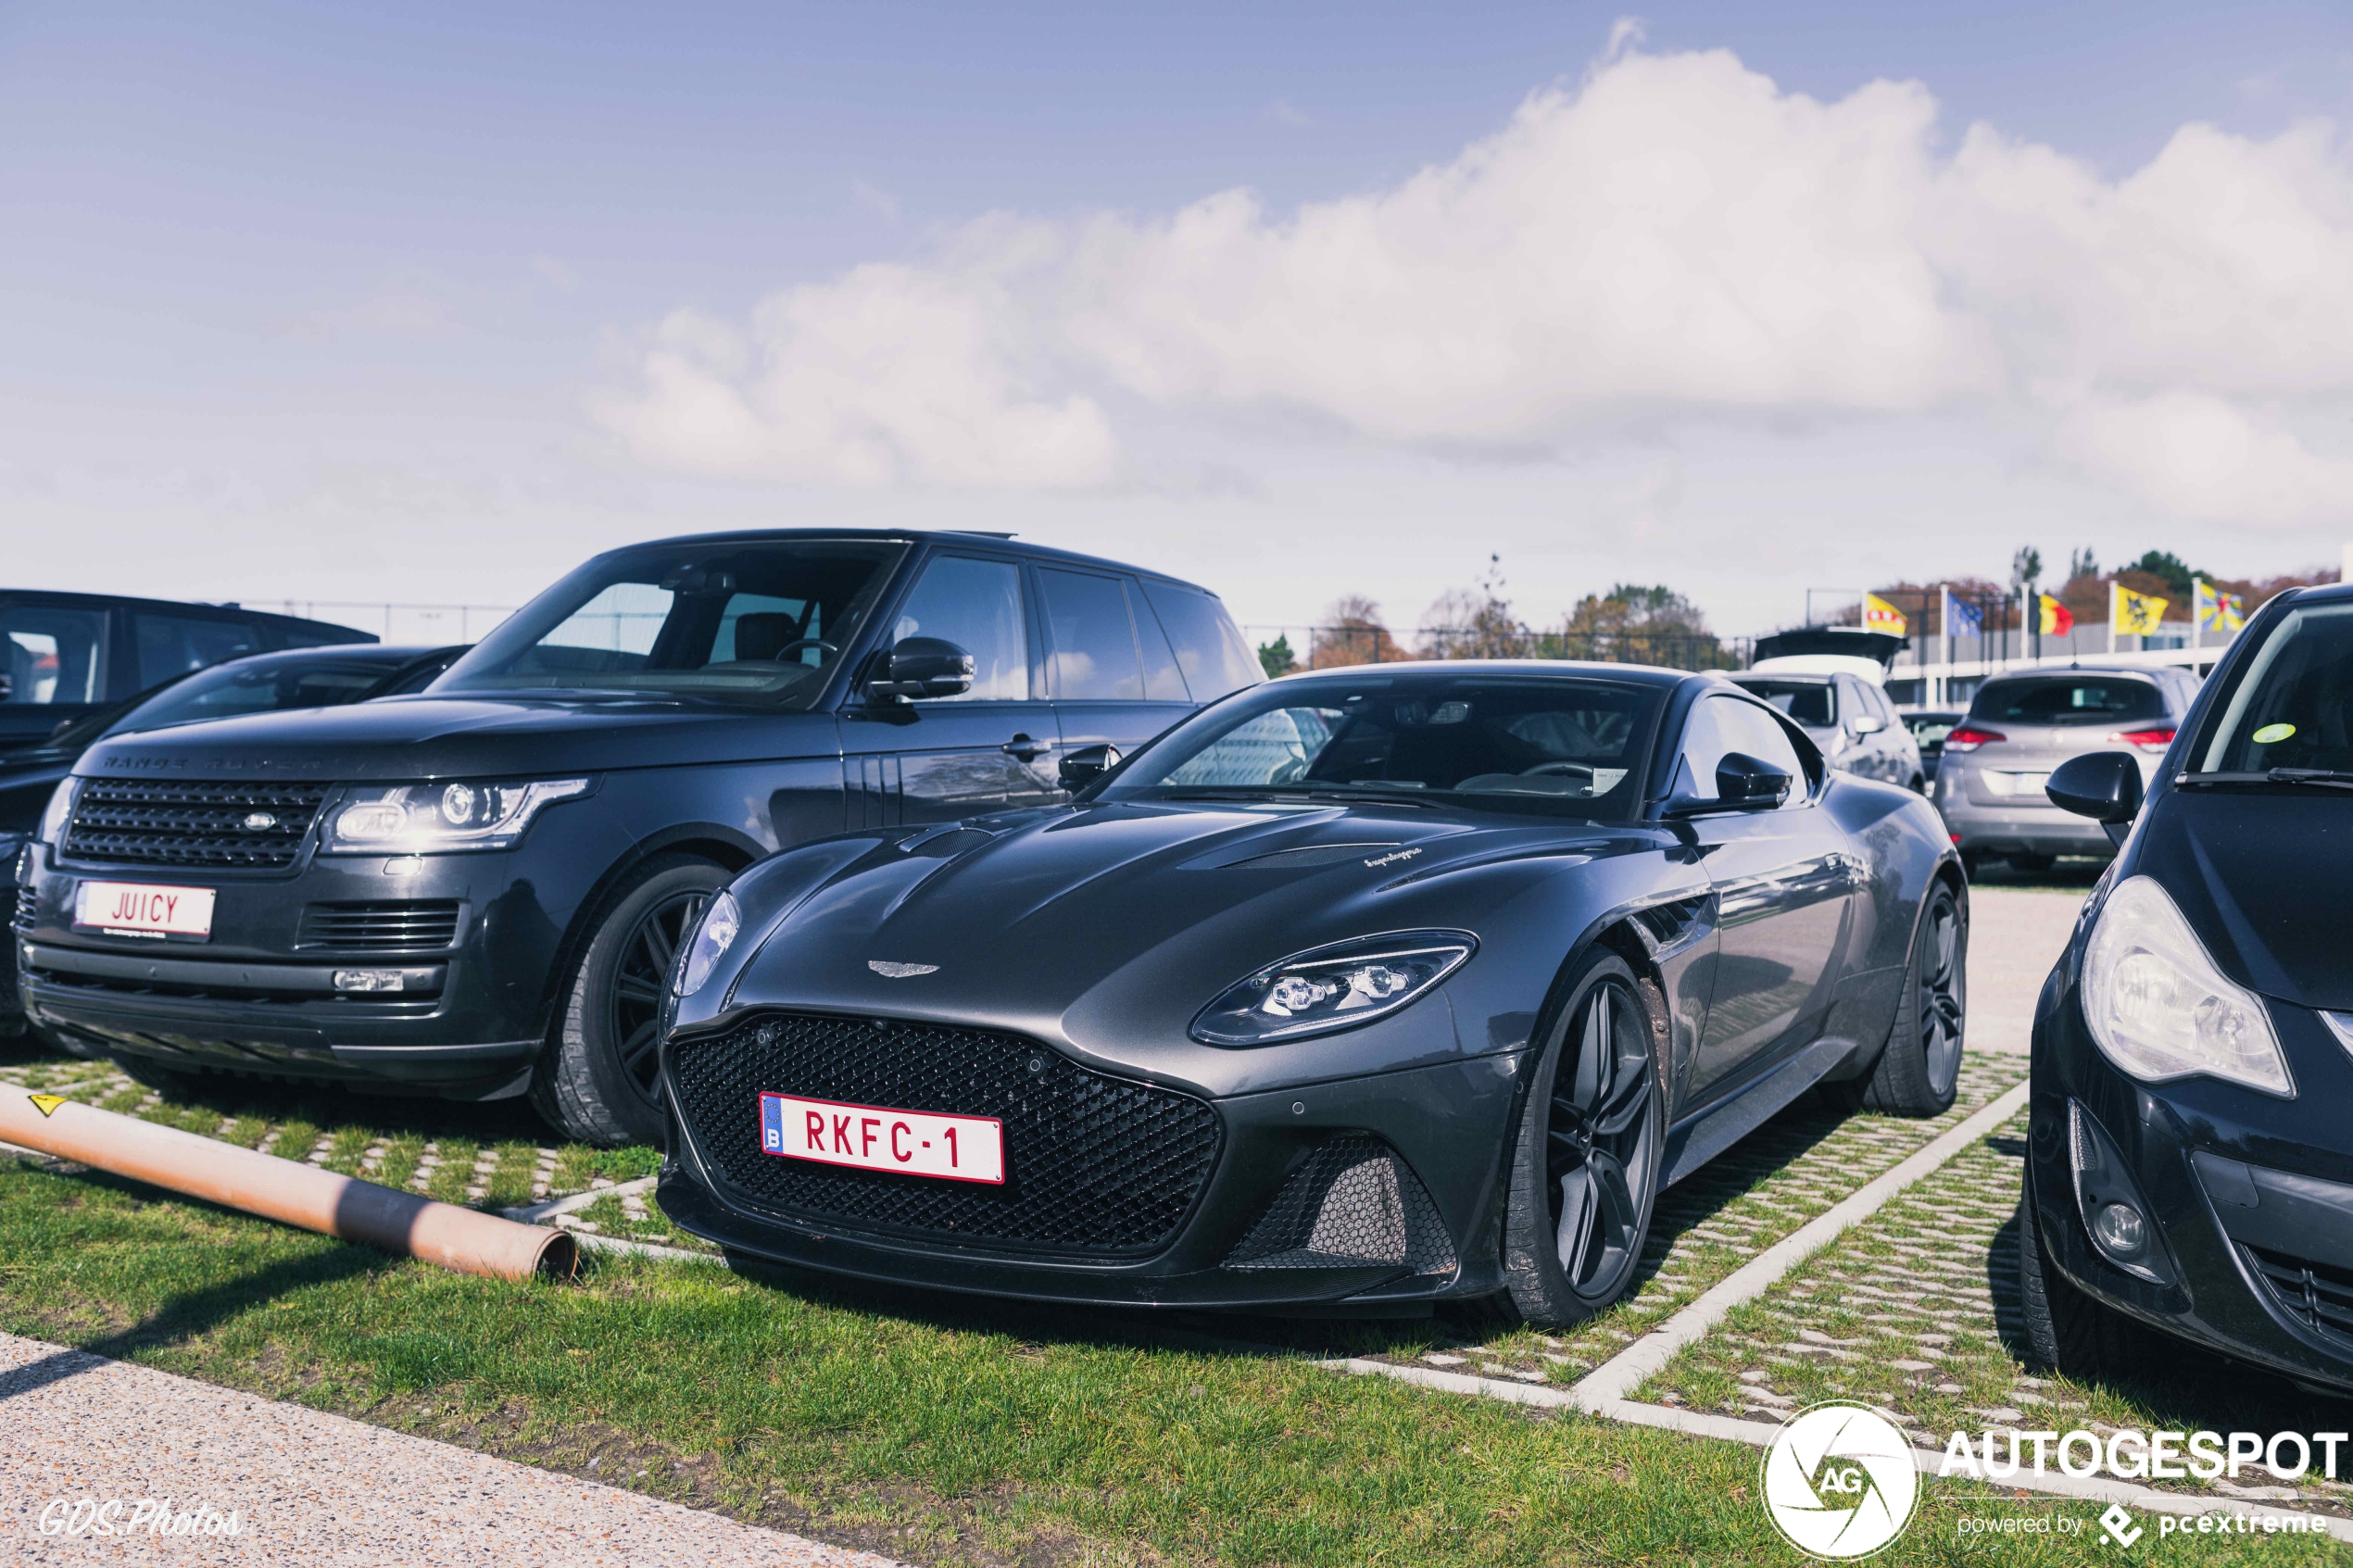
(2067, 699)
(1094, 642)
(1721, 725)
(1811, 703)
(174, 644)
(1209, 649)
(977, 605)
(53, 655)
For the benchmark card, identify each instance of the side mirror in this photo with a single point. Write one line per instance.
(1868, 724)
(1743, 784)
(923, 667)
(7, 685)
(2104, 786)
(1086, 764)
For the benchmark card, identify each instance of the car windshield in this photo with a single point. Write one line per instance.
(2067, 699)
(759, 623)
(1930, 729)
(268, 684)
(1811, 703)
(2292, 704)
(1546, 743)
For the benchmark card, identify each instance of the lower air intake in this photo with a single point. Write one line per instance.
(1354, 1202)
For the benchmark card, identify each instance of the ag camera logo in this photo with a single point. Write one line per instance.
(1839, 1481)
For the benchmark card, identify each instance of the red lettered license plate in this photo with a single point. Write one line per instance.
(873, 1137)
(130, 909)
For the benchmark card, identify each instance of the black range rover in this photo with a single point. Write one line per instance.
(477, 891)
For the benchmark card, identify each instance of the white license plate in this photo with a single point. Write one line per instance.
(2018, 783)
(873, 1137)
(131, 909)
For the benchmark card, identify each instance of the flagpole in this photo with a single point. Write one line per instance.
(2198, 617)
(2115, 604)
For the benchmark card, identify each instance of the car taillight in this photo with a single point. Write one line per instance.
(2147, 740)
(1966, 739)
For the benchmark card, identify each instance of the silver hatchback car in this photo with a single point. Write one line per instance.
(1990, 779)
(1857, 728)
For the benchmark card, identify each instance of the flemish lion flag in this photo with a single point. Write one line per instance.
(2054, 619)
(2135, 615)
(1881, 616)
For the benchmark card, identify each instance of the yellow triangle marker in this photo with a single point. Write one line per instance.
(48, 1103)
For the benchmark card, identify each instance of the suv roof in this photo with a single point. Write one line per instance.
(181, 607)
(918, 536)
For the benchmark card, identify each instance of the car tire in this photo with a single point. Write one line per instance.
(2067, 1331)
(1585, 1165)
(595, 1083)
(1920, 1071)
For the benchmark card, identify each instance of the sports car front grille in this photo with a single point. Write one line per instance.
(1094, 1165)
(2318, 1295)
(173, 822)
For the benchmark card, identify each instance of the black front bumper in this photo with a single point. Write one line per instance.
(2252, 1194)
(1449, 1125)
(257, 998)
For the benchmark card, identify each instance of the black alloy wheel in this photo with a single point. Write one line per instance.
(1920, 1071)
(597, 1082)
(1587, 1178)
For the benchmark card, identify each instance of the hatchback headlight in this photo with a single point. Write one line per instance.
(1335, 987)
(2159, 1007)
(714, 934)
(431, 819)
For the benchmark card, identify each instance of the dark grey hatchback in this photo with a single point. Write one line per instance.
(477, 891)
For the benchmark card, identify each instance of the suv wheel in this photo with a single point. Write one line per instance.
(596, 1083)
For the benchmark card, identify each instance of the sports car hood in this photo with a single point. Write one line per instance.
(1110, 926)
(2263, 879)
(429, 737)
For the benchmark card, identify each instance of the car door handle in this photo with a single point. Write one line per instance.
(1024, 749)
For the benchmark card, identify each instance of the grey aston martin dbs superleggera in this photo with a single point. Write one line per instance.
(1372, 986)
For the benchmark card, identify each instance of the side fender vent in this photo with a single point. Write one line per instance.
(1666, 924)
(1353, 1202)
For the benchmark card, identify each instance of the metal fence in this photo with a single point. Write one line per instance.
(400, 622)
(1319, 648)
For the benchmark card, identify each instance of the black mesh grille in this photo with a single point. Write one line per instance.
(2318, 1294)
(1093, 1165)
(159, 823)
(416, 926)
(1351, 1202)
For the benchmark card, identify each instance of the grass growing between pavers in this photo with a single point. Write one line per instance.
(1797, 1165)
(1915, 1311)
(930, 1430)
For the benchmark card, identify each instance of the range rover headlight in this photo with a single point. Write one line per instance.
(1330, 988)
(60, 807)
(437, 817)
(2159, 1007)
(713, 935)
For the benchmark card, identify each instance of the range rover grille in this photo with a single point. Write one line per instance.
(418, 926)
(1094, 1165)
(244, 826)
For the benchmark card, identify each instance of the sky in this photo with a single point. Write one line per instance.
(427, 303)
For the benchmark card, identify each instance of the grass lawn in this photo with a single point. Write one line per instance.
(931, 1430)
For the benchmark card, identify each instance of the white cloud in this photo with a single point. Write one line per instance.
(1673, 237)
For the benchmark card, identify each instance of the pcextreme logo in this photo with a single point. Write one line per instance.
(1839, 1481)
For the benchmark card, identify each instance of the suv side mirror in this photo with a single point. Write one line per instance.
(1743, 784)
(1868, 724)
(1086, 764)
(2104, 786)
(923, 667)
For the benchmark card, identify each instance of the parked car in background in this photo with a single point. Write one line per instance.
(1849, 718)
(1927, 734)
(65, 656)
(479, 891)
(320, 677)
(2189, 1164)
(2020, 727)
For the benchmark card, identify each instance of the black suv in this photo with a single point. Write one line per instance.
(64, 656)
(478, 891)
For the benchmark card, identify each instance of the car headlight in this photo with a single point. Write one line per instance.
(2159, 1007)
(1335, 987)
(436, 818)
(713, 935)
(60, 807)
